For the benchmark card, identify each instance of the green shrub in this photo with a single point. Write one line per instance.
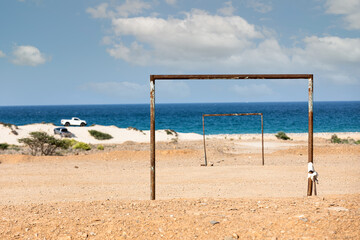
(171, 132)
(14, 147)
(135, 129)
(100, 135)
(41, 142)
(282, 135)
(100, 147)
(70, 142)
(9, 125)
(48, 123)
(335, 139)
(82, 145)
(4, 146)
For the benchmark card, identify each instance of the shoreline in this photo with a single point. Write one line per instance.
(121, 135)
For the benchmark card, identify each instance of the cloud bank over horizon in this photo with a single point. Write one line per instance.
(199, 40)
(103, 51)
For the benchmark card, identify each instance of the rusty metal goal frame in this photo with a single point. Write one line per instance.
(153, 78)
(234, 114)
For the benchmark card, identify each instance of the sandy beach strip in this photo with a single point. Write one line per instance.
(121, 135)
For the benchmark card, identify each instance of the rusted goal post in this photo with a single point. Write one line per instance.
(153, 78)
(233, 114)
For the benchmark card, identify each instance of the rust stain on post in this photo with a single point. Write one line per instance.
(310, 183)
(152, 137)
(203, 122)
(233, 114)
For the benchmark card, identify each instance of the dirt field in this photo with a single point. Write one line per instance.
(105, 195)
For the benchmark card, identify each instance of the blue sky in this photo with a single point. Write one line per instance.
(102, 52)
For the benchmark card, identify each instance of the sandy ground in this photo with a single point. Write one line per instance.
(105, 195)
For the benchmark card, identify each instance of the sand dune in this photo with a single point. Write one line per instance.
(121, 135)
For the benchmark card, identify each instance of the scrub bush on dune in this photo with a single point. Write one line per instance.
(70, 142)
(282, 135)
(335, 139)
(4, 146)
(171, 132)
(100, 135)
(82, 145)
(9, 125)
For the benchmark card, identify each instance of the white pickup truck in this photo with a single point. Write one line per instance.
(73, 122)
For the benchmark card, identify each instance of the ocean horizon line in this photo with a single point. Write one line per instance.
(174, 103)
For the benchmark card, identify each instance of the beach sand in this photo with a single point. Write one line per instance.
(121, 135)
(105, 194)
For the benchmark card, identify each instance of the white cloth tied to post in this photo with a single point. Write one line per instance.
(312, 173)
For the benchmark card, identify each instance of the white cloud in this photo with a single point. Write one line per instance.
(326, 55)
(334, 49)
(330, 53)
(171, 2)
(2, 54)
(130, 7)
(107, 40)
(267, 56)
(100, 11)
(227, 10)
(203, 39)
(259, 6)
(198, 36)
(28, 55)
(135, 53)
(349, 8)
(212, 43)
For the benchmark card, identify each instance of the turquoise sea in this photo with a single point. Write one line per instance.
(278, 116)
